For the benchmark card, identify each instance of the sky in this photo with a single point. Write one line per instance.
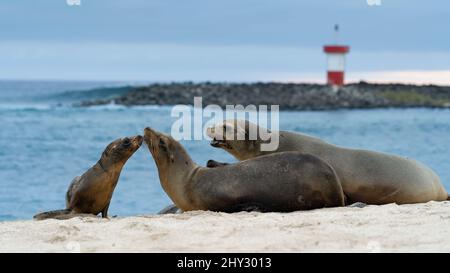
(223, 40)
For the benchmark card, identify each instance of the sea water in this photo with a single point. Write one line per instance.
(45, 142)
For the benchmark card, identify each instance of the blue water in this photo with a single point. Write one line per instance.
(44, 143)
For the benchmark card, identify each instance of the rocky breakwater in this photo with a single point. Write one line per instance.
(288, 96)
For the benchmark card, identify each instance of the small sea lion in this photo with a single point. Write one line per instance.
(280, 182)
(91, 192)
(366, 176)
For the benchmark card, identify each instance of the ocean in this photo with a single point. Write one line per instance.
(45, 142)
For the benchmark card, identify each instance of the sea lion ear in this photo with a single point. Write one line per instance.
(106, 152)
(170, 152)
(165, 147)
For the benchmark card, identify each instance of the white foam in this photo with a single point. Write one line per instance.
(26, 106)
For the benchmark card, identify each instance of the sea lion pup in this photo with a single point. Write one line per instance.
(366, 176)
(91, 192)
(279, 182)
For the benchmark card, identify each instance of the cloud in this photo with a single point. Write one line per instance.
(181, 62)
(395, 25)
(439, 77)
(423, 77)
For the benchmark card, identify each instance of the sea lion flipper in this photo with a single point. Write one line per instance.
(357, 205)
(72, 188)
(214, 164)
(171, 209)
(55, 214)
(105, 211)
(248, 207)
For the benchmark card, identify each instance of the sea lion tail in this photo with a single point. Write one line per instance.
(51, 214)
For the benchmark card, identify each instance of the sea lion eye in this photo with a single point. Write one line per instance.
(126, 142)
(161, 142)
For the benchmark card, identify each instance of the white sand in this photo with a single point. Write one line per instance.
(388, 228)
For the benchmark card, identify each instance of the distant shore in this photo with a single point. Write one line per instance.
(387, 228)
(360, 95)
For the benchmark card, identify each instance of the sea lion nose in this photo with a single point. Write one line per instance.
(139, 139)
(149, 132)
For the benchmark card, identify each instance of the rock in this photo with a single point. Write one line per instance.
(288, 96)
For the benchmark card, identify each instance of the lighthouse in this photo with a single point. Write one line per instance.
(336, 61)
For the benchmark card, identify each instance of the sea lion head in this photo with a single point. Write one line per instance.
(164, 149)
(173, 163)
(238, 137)
(120, 150)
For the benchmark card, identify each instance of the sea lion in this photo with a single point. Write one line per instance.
(366, 176)
(279, 182)
(91, 192)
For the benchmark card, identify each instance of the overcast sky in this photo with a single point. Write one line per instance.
(222, 40)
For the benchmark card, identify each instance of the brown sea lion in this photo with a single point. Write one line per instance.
(279, 182)
(366, 176)
(91, 192)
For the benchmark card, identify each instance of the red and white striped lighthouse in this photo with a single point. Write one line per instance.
(336, 61)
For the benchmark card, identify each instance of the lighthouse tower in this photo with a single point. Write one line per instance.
(336, 61)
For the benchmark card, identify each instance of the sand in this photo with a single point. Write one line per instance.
(387, 228)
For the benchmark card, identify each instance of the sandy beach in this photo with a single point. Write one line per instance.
(387, 228)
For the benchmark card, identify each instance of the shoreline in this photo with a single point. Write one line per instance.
(344, 229)
(289, 96)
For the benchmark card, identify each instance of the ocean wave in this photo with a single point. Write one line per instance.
(151, 107)
(69, 106)
(114, 106)
(110, 106)
(26, 107)
(90, 94)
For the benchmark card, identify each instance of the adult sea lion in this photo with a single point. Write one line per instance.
(91, 192)
(279, 182)
(366, 176)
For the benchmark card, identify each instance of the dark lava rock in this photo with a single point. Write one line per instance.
(287, 95)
